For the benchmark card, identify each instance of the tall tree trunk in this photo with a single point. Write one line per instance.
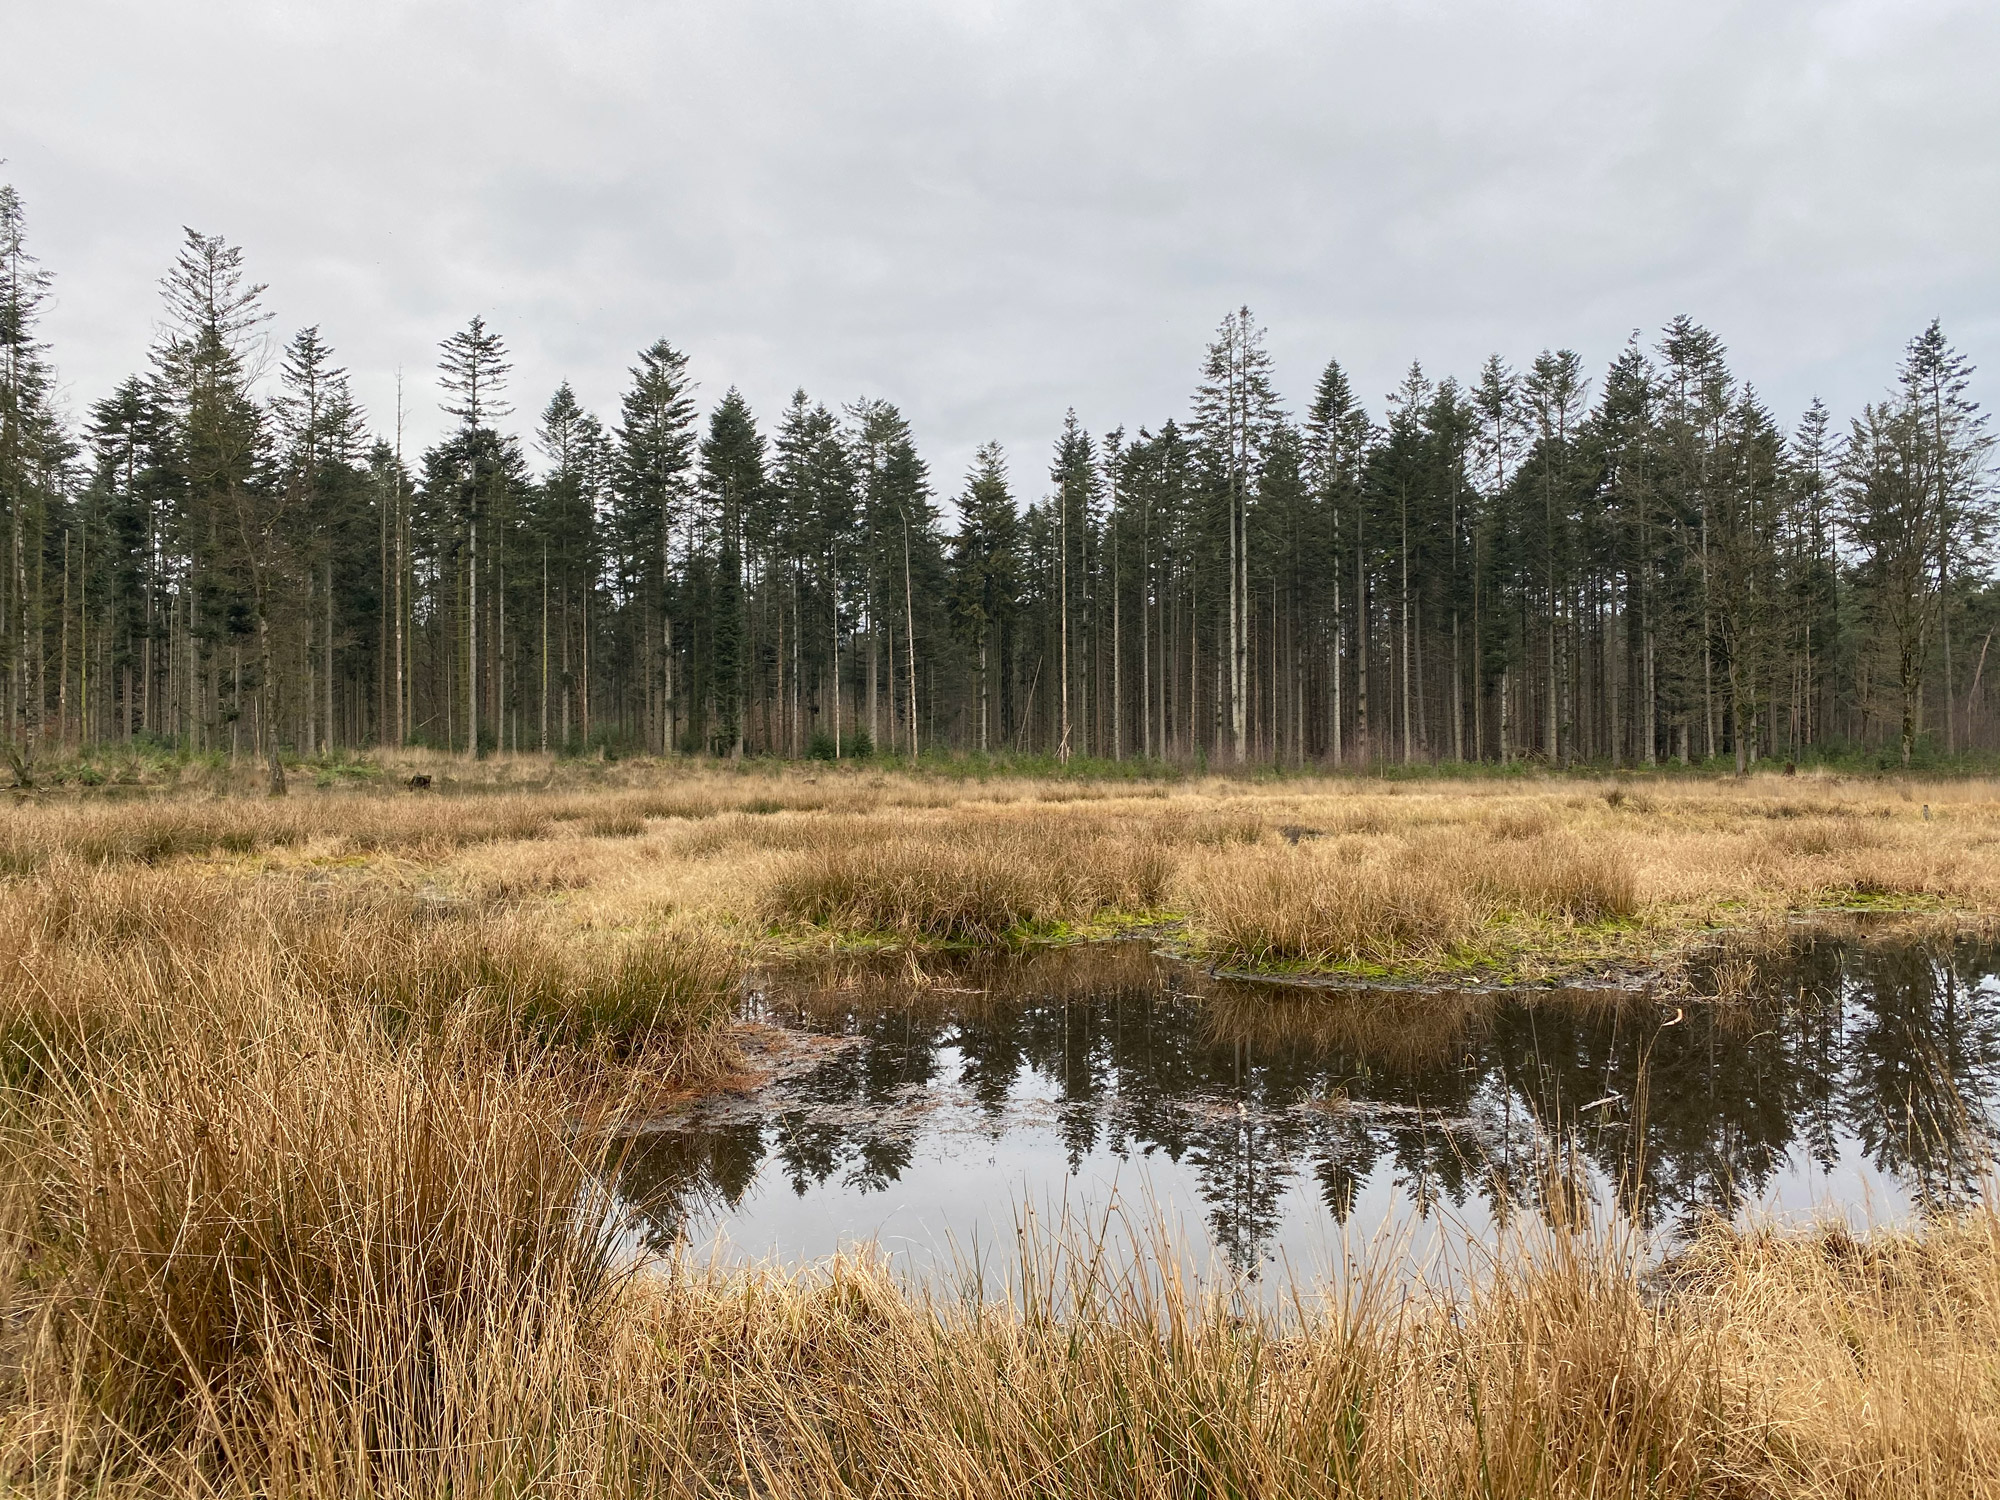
(472, 646)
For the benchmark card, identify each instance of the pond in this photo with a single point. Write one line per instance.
(1272, 1129)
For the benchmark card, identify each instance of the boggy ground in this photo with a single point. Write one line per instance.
(1497, 880)
(307, 1105)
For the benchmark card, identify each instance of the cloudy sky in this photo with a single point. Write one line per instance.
(989, 212)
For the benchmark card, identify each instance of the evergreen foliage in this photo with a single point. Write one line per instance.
(1533, 566)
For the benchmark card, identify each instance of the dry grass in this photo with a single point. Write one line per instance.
(231, 1235)
(1429, 896)
(1526, 879)
(97, 961)
(401, 1298)
(971, 880)
(1558, 1376)
(299, 1187)
(1519, 878)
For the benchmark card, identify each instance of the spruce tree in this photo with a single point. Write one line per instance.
(1235, 409)
(656, 451)
(33, 451)
(473, 478)
(235, 516)
(985, 590)
(1889, 505)
(564, 536)
(1074, 500)
(1935, 380)
(472, 371)
(732, 484)
(816, 488)
(1336, 440)
(319, 429)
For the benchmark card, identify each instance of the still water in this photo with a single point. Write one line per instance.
(1272, 1129)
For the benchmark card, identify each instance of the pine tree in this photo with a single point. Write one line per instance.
(985, 599)
(1889, 500)
(472, 372)
(1074, 501)
(732, 484)
(1935, 379)
(816, 488)
(124, 530)
(33, 452)
(1235, 409)
(472, 477)
(1813, 569)
(1555, 393)
(655, 479)
(320, 432)
(1337, 435)
(1745, 533)
(236, 516)
(564, 534)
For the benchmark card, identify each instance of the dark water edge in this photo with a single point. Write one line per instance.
(1849, 1069)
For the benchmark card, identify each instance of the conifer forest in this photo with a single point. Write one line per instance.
(1626, 566)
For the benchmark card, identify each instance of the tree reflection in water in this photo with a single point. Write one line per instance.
(1887, 1049)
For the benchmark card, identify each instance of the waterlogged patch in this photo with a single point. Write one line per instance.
(926, 1108)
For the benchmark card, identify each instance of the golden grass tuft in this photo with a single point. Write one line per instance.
(307, 1216)
(977, 883)
(99, 959)
(1426, 897)
(1559, 1372)
(1557, 877)
(1263, 906)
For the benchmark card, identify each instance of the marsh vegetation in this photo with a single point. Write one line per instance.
(314, 1113)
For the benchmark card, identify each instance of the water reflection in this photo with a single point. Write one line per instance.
(1840, 1057)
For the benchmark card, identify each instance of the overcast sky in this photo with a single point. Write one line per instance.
(990, 212)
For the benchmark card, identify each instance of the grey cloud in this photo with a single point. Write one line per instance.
(991, 212)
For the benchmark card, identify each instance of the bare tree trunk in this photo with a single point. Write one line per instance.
(1334, 672)
(544, 654)
(910, 639)
(1403, 606)
(472, 647)
(327, 655)
(1117, 677)
(1062, 596)
(1364, 739)
(267, 718)
(1457, 691)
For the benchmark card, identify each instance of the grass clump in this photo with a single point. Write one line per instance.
(1420, 898)
(1780, 1367)
(269, 1243)
(975, 883)
(662, 995)
(96, 960)
(1268, 905)
(1557, 877)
